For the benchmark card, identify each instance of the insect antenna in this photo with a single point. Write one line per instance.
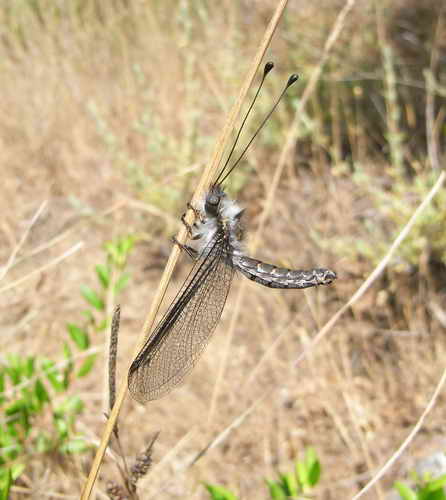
(292, 79)
(268, 67)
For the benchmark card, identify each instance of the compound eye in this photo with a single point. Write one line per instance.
(212, 203)
(213, 200)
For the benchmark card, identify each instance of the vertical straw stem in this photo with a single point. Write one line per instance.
(203, 183)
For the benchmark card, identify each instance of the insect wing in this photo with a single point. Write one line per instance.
(183, 333)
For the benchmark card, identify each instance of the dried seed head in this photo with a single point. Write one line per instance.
(141, 466)
(143, 462)
(115, 491)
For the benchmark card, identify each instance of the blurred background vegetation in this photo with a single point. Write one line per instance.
(110, 111)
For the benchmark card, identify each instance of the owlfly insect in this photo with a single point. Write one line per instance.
(177, 342)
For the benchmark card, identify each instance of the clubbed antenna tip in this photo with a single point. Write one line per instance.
(268, 67)
(292, 79)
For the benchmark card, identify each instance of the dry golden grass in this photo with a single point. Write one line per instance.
(109, 114)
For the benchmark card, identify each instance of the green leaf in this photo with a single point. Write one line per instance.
(122, 282)
(302, 473)
(75, 445)
(87, 365)
(437, 483)
(219, 493)
(405, 492)
(113, 253)
(314, 474)
(291, 484)
(71, 405)
(79, 336)
(16, 470)
(13, 451)
(8, 435)
(426, 494)
(103, 273)
(55, 378)
(92, 297)
(14, 368)
(41, 392)
(68, 355)
(5, 483)
(276, 490)
(437, 495)
(103, 325)
(43, 443)
(88, 315)
(67, 352)
(313, 467)
(310, 456)
(61, 427)
(29, 367)
(126, 245)
(118, 251)
(17, 406)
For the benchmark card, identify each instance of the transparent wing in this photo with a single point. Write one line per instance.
(181, 336)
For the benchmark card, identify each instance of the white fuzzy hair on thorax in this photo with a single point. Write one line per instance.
(228, 213)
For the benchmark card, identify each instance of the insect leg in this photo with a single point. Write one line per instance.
(190, 227)
(196, 212)
(193, 254)
(187, 225)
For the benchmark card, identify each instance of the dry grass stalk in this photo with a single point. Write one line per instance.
(416, 428)
(202, 184)
(49, 265)
(20, 244)
(112, 356)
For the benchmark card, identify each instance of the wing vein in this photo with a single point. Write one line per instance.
(184, 331)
